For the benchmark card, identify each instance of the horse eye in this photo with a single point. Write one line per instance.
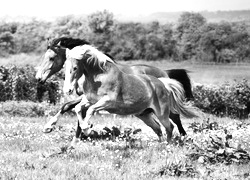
(52, 59)
(75, 68)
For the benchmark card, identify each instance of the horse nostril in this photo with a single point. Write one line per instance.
(69, 91)
(41, 81)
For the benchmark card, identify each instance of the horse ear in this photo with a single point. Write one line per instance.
(59, 44)
(48, 42)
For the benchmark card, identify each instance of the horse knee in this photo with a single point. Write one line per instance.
(90, 111)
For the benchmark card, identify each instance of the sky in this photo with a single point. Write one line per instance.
(54, 8)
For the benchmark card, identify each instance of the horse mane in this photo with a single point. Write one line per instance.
(68, 42)
(95, 57)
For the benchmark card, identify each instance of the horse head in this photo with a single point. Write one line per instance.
(71, 68)
(55, 56)
(53, 61)
(80, 61)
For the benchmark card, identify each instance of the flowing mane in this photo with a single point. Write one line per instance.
(95, 57)
(68, 42)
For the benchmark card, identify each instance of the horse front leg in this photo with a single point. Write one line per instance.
(49, 126)
(103, 103)
(80, 110)
(83, 124)
(76, 138)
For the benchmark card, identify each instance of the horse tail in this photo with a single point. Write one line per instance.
(181, 75)
(177, 103)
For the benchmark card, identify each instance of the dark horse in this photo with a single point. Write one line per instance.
(54, 60)
(108, 86)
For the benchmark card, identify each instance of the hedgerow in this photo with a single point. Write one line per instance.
(19, 84)
(224, 100)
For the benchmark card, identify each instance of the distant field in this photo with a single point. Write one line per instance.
(204, 73)
(21, 59)
(201, 73)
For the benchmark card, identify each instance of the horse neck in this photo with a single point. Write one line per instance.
(92, 74)
(62, 54)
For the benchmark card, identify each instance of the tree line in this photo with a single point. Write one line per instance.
(191, 37)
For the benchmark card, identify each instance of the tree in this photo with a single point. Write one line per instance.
(223, 42)
(101, 26)
(168, 41)
(31, 36)
(187, 34)
(101, 22)
(7, 35)
(76, 27)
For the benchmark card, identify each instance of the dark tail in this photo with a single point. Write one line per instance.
(181, 75)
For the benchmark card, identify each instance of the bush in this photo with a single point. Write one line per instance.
(19, 83)
(29, 109)
(225, 100)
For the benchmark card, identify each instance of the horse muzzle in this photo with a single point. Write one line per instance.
(42, 76)
(68, 91)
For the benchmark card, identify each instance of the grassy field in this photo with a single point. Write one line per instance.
(21, 59)
(27, 153)
(206, 73)
(215, 148)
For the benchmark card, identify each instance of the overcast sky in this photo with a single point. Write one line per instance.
(52, 8)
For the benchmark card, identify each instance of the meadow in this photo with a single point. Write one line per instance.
(213, 149)
(124, 147)
(206, 73)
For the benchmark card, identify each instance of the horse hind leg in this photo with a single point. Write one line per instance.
(149, 120)
(176, 119)
(164, 119)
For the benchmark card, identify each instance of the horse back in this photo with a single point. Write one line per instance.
(148, 70)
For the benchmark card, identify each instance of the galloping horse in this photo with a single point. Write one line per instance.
(55, 57)
(107, 87)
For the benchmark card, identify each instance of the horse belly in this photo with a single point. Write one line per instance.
(131, 105)
(126, 110)
(134, 97)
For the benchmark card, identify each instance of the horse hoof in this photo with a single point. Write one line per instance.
(74, 142)
(71, 147)
(86, 132)
(162, 139)
(48, 130)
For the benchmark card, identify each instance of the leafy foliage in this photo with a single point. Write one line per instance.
(101, 22)
(209, 153)
(224, 100)
(19, 83)
(218, 147)
(191, 37)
